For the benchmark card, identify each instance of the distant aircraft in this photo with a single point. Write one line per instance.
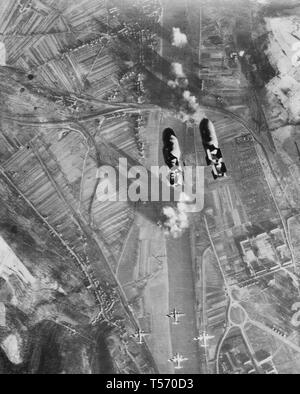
(213, 153)
(203, 338)
(139, 335)
(175, 315)
(172, 157)
(177, 359)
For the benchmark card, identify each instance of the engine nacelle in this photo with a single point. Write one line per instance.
(208, 134)
(172, 155)
(210, 142)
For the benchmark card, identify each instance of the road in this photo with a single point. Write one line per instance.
(247, 319)
(104, 254)
(181, 291)
(182, 296)
(204, 306)
(181, 284)
(180, 270)
(178, 291)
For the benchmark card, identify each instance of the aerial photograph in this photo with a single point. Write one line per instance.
(150, 187)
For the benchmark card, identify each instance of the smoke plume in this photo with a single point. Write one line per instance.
(181, 83)
(176, 218)
(177, 70)
(192, 101)
(179, 39)
(180, 78)
(173, 84)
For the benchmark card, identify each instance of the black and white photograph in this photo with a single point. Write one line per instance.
(150, 189)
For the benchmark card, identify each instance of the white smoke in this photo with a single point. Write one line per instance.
(183, 116)
(191, 119)
(176, 221)
(182, 83)
(191, 100)
(180, 78)
(173, 84)
(176, 218)
(177, 70)
(179, 39)
(197, 114)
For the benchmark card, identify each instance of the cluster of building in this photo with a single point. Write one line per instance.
(133, 81)
(137, 30)
(101, 40)
(237, 361)
(138, 123)
(243, 201)
(265, 362)
(248, 175)
(146, 37)
(278, 330)
(218, 64)
(266, 252)
(150, 8)
(129, 31)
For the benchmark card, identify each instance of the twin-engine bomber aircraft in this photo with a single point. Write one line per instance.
(177, 359)
(204, 338)
(175, 315)
(172, 153)
(214, 156)
(172, 157)
(139, 335)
